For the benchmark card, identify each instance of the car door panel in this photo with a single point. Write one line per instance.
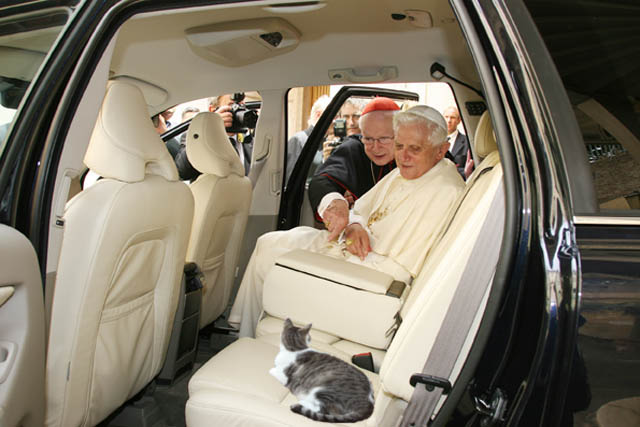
(609, 330)
(22, 339)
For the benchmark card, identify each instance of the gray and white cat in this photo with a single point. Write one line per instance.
(328, 389)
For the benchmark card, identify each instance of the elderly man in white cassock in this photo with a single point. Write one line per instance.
(391, 228)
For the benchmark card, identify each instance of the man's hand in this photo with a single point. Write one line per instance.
(468, 166)
(336, 218)
(348, 195)
(357, 240)
(162, 125)
(224, 111)
(328, 146)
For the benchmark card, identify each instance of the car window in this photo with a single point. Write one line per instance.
(593, 48)
(24, 44)
(306, 104)
(240, 112)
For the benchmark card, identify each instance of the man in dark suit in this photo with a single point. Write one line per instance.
(459, 147)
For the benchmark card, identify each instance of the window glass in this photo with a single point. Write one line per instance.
(24, 43)
(595, 48)
(306, 105)
(240, 112)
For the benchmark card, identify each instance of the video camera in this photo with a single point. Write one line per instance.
(243, 117)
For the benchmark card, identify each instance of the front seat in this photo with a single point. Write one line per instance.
(120, 267)
(222, 197)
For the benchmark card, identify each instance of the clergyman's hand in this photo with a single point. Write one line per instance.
(336, 218)
(348, 195)
(357, 240)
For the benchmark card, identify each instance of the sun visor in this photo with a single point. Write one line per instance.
(243, 42)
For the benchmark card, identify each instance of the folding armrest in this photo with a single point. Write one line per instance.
(348, 300)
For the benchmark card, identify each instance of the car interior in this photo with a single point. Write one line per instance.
(116, 292)
(120, 307)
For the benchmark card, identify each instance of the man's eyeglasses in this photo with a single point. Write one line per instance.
(383, 140)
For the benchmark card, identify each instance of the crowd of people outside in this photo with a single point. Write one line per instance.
(345, 132)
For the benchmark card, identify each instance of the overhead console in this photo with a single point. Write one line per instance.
(238, 43)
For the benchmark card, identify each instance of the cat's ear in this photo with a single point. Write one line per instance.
(306, 329)
(288, 323)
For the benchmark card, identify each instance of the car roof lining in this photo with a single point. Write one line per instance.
(333, 37)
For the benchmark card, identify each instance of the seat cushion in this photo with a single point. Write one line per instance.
(270, 327)
(235, 389)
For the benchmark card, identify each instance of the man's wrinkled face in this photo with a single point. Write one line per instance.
(377, 136)
(452, 118)
(352, 115)
(414, 154)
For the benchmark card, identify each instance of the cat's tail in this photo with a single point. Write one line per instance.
(350, 417)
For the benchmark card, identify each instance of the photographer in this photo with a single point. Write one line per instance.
(347, 124)
(239, 123)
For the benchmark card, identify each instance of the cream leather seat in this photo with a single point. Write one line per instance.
(222, 197)
(484, 146)
(120, 267)
(234, 388)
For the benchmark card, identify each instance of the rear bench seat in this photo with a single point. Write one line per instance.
(235, 388)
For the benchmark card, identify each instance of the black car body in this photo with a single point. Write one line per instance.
(560, 340)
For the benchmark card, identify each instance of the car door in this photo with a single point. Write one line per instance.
(294, 194)
(31, 37)
(22, 336)
(27, 34)
(604, 95)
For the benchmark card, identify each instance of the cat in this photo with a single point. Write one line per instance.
(328, 389)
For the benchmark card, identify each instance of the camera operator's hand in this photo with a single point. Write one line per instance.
(225, 112)
(328, 146)
(336, 218)
(160, 124)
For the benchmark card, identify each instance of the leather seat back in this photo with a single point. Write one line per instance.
(120, 268)
(484, 138)
(222, 198)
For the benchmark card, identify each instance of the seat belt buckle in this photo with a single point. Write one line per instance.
(431, 382)
(363, 360)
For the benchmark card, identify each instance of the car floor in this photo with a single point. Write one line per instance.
(164, 404)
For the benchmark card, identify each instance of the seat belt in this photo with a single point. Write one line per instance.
(433, 382)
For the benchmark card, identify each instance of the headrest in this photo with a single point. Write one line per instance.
(208, 146)
(484, 140)
(124, 145)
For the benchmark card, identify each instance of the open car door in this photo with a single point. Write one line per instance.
(292, 203)
(29, 32)
(22, 338)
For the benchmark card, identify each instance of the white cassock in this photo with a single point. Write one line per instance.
(403, 218)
